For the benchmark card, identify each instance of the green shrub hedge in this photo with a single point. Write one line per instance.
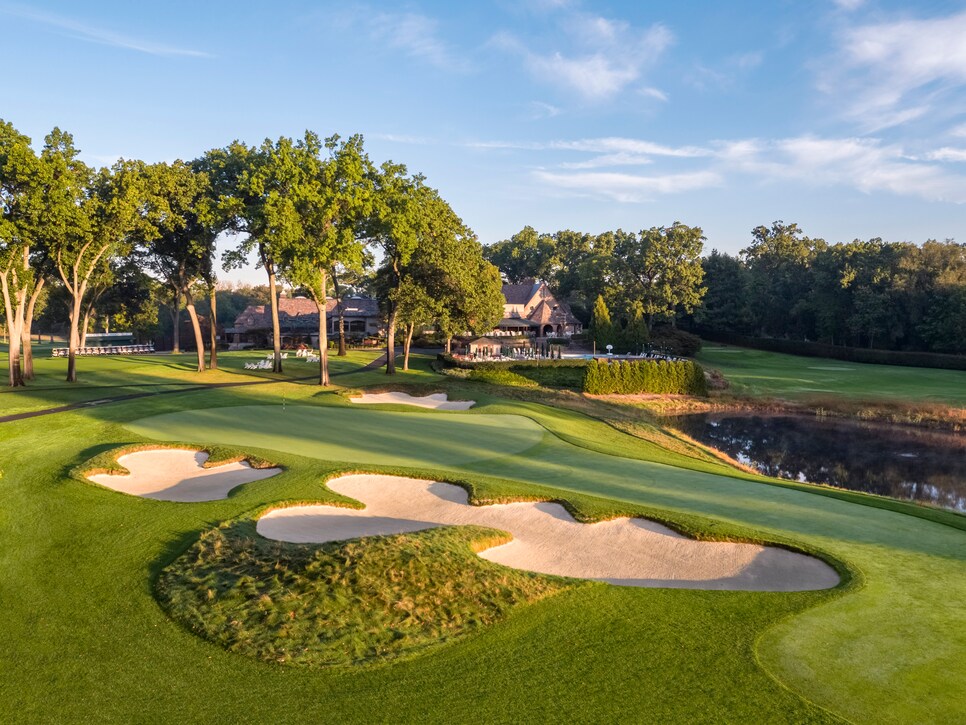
(625, 377)
(557, 376)
(598, 377)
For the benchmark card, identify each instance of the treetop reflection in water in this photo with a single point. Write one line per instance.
(898, 461)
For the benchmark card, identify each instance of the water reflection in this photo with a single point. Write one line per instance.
(898, 461)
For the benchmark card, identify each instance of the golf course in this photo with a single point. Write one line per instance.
(117, 605)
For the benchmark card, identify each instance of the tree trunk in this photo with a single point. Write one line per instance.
(176, 324)
(323, 335)
(448, 347)
(199, 340)
(276, 328)
(213, 332)
(338, 298)
(75, 313)
(83, 329)
(14, 332)
(391, 343)
(28, 353)
(407, 343)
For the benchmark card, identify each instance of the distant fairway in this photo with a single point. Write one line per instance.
(758, 372)
(354, 436)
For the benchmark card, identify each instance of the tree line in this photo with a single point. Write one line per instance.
(315, 212)
(875, 294)
(784, 284)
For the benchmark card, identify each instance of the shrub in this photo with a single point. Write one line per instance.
(625, 377)
(677, 342)
(554, 376)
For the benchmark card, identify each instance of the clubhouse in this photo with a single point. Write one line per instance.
(298, 319)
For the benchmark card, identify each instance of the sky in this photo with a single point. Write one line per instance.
(847, 117)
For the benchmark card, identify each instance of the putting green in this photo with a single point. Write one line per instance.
(349, 435)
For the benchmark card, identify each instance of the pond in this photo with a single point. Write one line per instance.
(900, 461)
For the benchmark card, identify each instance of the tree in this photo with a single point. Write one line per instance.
(779, 259)
(316, 230)
(725, 304)
(635, 334)
(20, 189)
(525, 255)
(661, 267)
(394, 228)
(601, 327)
(251, 186)
(112, 209)
(448, 282)
(179, 235)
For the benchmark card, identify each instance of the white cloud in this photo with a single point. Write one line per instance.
(849, 5)
(947, 154)
(91, 34)
(895, 72)
(621, 158)
(628, 188)
(417, 36)
(539, 110)
(863, 164)
(653, 93)
(958, 131)
(604, 57)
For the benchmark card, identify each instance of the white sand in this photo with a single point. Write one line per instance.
(179, 475)
(546, 539)
(437, 401)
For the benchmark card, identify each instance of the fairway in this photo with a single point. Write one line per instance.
(351, 436)
(757, 372)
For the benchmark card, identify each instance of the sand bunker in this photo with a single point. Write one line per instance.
(179, 475)
(437, 400)
(546, 539)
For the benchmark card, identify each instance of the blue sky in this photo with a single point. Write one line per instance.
(846, 116)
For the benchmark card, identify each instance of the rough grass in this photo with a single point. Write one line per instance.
(344, 603)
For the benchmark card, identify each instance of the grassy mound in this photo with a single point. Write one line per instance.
(343, 603)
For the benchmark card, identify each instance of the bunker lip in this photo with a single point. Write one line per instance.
(437, 401)
(178, 474)
(547, 539)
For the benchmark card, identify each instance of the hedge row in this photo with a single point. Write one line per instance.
(835, 352)
(558, 376)
(598, 377)
(678, 377)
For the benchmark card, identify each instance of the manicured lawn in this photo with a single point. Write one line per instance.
(85, 639)
(117, 375)
(386, 438)
(757, 372)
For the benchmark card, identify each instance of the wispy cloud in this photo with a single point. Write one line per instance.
(848, 5)
(418, 36)
(867, 165)
(628, 187)
(863, 164)
(895, 72)
(947, 154)
(603, 57)
(539, 110)
(102, 36)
